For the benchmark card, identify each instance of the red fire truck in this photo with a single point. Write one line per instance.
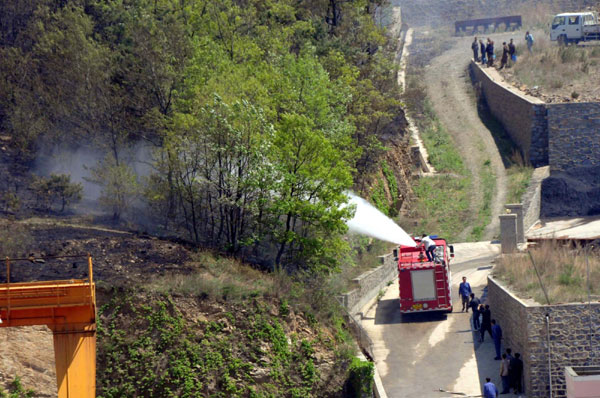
(425, 285)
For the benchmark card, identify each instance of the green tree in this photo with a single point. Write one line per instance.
(218, 160)
(119, 185)
(56, 188)
(312, 176)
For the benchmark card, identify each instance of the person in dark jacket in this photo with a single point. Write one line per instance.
(512, 53)
(486, 321)
(515, 372)
(475, 48)
(489, 51)
(474, 304)
(482, 48)
(504, 58)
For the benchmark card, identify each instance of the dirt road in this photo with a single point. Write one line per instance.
(450, 91)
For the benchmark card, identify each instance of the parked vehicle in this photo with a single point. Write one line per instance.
(574, 27)
(425, 285)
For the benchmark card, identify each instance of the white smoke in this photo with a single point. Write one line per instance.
(370, 221)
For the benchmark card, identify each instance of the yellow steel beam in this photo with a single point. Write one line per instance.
(68, 308)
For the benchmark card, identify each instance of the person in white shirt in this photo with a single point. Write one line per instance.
(429, 247)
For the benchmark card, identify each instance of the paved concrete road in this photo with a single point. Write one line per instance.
(417, 355)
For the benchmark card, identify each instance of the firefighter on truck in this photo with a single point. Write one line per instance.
(424, 276)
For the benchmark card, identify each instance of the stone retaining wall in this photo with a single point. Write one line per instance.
(574, 135)
(523, 117)
(572, 341)
(369, 284)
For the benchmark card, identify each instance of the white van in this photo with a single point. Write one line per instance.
(573, 27)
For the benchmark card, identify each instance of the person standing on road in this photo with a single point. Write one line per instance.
(474, 304)
(475, 48)
(512, 52)
(497, 337)
(464, 290)
(529, 40)
(482, 48)
(504, 375)
(489, 50)
(516, 373)
(429, 247)
(504, 58)
(486, 321)
(489, 389)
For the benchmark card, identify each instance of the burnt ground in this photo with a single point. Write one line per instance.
(126, 259)
(119, 257)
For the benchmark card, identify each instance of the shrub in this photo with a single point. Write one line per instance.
(16, 390)
(360, 379)
(10, 202)
(57, 188)
(568, 54)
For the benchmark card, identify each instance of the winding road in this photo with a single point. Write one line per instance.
(430, 354)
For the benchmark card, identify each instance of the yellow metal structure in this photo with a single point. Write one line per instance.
(68, 308)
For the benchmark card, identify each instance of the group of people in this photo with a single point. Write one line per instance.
(511, 368)
(509, 52)
(511, 374)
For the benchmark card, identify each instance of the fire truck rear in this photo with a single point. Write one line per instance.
(425, 285)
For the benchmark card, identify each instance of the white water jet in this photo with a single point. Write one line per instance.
(368, 220)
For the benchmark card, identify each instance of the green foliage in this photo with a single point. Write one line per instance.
(568, 276)
(379, 197)
(443, 204)
(484, 214)
(10, 201)
(518, 181)
(146, 348)
(16, 390)
(262, 115)
(118, 183)
(360, 379)
(56, 188)
(443, 154)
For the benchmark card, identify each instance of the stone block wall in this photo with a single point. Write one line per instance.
(369, 284)
(523, 117)
(573, 135)
(574, 337)
(510, 313)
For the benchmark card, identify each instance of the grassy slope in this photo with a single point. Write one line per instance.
(226, 330)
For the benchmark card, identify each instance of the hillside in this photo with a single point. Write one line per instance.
(175, 321)
(201, 152)
(210, 121)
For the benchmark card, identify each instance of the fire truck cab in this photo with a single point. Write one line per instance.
(425, 285)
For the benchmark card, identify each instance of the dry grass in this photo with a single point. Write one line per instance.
(562, 270)
(556, 73)
(219, 277)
